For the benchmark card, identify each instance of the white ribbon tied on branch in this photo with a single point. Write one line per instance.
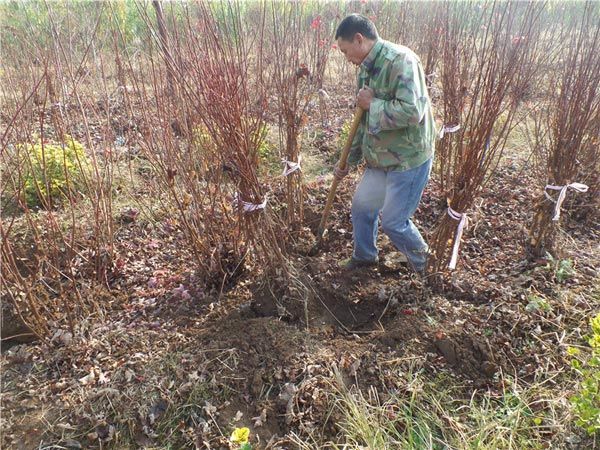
(579, 187)
(291, 166)
(463, 220)
(247, 206)
(449, 129)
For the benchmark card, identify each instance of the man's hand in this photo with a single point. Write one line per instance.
(338, 173)
(365, 95)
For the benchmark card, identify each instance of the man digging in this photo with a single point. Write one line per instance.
(395, 138)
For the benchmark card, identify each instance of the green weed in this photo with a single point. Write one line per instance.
(537, 303)
(586, 403)
(561, 269)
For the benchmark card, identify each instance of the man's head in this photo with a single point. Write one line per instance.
(355, 37)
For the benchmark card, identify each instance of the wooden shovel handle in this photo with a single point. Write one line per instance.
(358, 114)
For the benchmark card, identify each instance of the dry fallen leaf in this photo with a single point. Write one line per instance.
(102, 378)
(209, 408)
(89, 378)
(260, 420)
(129, 374)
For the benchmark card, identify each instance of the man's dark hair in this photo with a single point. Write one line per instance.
(355, 23)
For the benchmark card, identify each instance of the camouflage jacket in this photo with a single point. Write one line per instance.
(398, 131)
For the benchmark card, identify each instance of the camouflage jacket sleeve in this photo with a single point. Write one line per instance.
(409, 103)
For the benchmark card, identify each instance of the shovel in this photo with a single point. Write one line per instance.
(358, 113)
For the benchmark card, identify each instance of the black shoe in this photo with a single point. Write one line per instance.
(352, 263)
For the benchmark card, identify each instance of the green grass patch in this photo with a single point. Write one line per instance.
(430, 414)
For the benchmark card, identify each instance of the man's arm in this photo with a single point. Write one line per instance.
(410, 101)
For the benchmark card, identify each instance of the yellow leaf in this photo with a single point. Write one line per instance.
(240, 435)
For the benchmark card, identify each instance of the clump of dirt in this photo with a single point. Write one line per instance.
(406, 328)
(270, 352)
(468, 355)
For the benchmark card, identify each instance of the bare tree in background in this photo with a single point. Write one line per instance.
(488, 55)
(300, 46)
(568, 128)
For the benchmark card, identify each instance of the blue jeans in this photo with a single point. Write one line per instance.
(396, 195)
